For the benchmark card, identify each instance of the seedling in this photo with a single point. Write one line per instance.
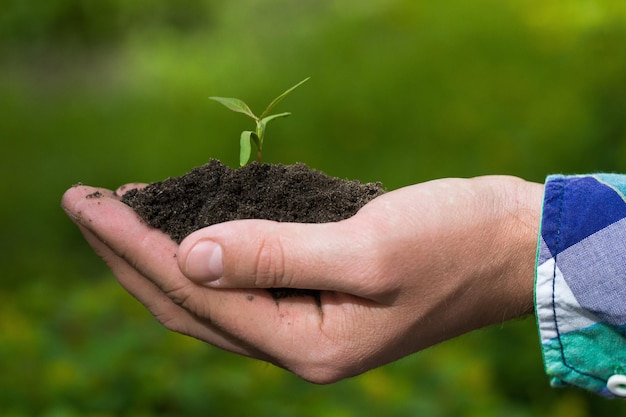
(257, 136)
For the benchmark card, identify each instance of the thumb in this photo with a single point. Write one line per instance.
(267, 254)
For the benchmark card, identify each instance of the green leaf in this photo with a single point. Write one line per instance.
(274, 116)
(261, 125)
(235, 104)
(245, 147)
(281, 97)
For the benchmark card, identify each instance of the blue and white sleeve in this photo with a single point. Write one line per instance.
(580, 283)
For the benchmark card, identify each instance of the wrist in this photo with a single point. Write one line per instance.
(521, 229)
(502, 275)
(486, 256)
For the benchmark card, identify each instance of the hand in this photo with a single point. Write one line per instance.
(414, 267)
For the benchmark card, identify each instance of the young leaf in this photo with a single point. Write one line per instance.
(235, 105)
(245, 147)
(281, 97)
(274, 116)
(261, 124)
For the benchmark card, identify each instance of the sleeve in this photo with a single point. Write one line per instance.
(580, 282)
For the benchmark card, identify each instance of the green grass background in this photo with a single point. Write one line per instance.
(113, 91)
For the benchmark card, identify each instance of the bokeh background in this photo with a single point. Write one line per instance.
(402, 91)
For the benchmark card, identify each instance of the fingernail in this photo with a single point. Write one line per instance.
(204, 262)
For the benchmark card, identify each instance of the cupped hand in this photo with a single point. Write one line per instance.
(414, 267)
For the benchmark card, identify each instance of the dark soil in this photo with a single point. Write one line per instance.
(215, 193)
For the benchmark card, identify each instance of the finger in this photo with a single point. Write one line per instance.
(265, 254)
(145, 250)
(120, 191)
(79, 192)
(171, 315)
(121, 229)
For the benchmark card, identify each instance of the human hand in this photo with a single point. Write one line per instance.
(414, 267)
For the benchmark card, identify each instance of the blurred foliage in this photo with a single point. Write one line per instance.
(114, 91)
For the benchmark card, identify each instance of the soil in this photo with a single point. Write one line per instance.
(215, 193)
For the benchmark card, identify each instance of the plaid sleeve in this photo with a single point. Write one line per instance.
(580, 288)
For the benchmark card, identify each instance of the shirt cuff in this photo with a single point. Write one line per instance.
(580, 282)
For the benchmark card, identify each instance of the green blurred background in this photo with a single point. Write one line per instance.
(112, 91)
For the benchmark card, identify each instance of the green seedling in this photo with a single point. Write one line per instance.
(257, 136)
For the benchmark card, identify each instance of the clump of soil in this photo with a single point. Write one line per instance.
(215, 193)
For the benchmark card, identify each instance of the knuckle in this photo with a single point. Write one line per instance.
(328, 366)
(175, 324)
(190, 299)
(269, 267)
(323, 374)
(179, 296)
(170, 323)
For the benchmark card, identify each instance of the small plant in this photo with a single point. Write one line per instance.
(256, 136)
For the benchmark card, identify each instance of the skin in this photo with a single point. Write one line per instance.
(412, 268)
